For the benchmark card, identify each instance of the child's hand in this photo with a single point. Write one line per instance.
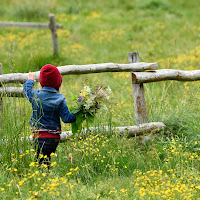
(31, 76)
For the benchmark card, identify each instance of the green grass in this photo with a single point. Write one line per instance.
(106, 165)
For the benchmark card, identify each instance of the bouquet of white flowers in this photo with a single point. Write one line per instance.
(88, 102)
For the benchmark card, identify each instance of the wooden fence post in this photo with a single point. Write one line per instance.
(52, 26)
(1, 102)
(138, 93)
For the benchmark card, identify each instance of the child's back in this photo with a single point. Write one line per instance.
(48, 107)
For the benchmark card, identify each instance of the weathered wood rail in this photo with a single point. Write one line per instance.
(165, 74)
(52, 26)
(71, 69)
(82, 69)
(28, 25)
(127, 131)
(11, 92)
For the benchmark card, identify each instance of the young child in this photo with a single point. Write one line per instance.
(48, 107)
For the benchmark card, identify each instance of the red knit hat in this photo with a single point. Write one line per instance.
(50, 77)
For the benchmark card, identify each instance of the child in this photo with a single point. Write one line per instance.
(48, 107)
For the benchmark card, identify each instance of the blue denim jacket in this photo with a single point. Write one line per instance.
(48, 107)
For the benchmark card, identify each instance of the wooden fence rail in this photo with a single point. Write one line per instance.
(164, 75)
(28, 25)
(52, 26)
(82, 69)
(128, 131)
(11, 92)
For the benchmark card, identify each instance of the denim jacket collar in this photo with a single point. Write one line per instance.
(49, 89)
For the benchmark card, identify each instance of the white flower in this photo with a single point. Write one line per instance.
(107, 97)
(89, 101)
(87, 107)
(87, 89)
(93, 97)
(108, 90)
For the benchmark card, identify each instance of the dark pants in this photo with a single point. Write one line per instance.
(44, 147)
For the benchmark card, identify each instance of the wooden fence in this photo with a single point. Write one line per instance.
(140, 72)
(52, 26)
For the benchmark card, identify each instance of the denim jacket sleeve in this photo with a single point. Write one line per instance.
(65, 115)
(28, 89)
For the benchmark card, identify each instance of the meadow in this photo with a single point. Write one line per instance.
(106, 165)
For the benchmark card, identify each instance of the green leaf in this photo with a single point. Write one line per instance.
(90, 118)
(77, 126)
(74, 127)
(80, 117)
(74, 110)
(73, 97)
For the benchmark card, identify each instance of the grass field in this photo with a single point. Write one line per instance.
(106, 165)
